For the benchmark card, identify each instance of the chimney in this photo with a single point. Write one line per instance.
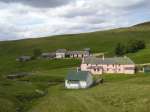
(83, 60)
(78, 69)
(103, 57)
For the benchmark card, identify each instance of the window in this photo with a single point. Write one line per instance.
(73, 82)
(129, 68)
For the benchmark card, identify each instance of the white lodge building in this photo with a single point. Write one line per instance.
(108, 65)
(61, 53)
(77, 80)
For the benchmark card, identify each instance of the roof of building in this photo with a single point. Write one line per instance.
(87, 49)
(48, 54)
(77, 76)
(78, 52)
(61, 51)
(115, 60)
(146, 67)
(25, 57)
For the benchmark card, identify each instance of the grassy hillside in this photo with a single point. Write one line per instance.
(145, 24)
(104, 41)
(48, 75)
(119, 93)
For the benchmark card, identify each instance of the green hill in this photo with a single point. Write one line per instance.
(21, 94)
(143, 24)
(103, 41)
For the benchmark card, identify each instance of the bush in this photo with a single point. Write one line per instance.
(141, 44)
(120, 49)
(36, 53)
(132, 47)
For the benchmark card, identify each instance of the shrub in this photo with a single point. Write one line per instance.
(36, 53)
(120, 49)
(134, 46)
(141, 44)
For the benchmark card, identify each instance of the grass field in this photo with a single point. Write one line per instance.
(119, 93)
(43, 91)
(18, 94)
(104, 41)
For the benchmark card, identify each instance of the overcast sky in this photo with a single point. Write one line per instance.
(35, 18)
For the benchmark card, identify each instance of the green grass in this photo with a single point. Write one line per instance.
(20, 93)
(119, 93)
(122, 93)
(36, 65)
(104, 41)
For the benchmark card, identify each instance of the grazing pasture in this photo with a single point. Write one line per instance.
(44, 91)
(118, 93)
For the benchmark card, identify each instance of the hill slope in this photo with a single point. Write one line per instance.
(103, 41)
(21, 93)
(143, 24)
(119, 93)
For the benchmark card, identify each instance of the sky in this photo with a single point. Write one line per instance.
(38, 18)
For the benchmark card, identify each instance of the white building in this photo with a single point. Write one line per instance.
(48, 55)
(24, 58)
(77, 80)
(61, 53)
(121, 65)
(78, 54)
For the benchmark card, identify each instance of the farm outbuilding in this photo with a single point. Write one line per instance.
(146, 69)
(78, 54)
(48, 55)
(61, 53)
(77, 80)
(23, 58)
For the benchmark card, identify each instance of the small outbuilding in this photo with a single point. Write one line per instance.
(77, 80)
(61, 53)
(48, 55)
(24, 58)
(146, 69)
(78, 54)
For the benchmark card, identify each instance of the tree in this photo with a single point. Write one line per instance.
(36, 53)
(141, 44)
(120, 49)
(135, 45)
(131, 47)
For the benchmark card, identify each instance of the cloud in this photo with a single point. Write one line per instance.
(124, 3)
(22, 19)
(39, 3)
